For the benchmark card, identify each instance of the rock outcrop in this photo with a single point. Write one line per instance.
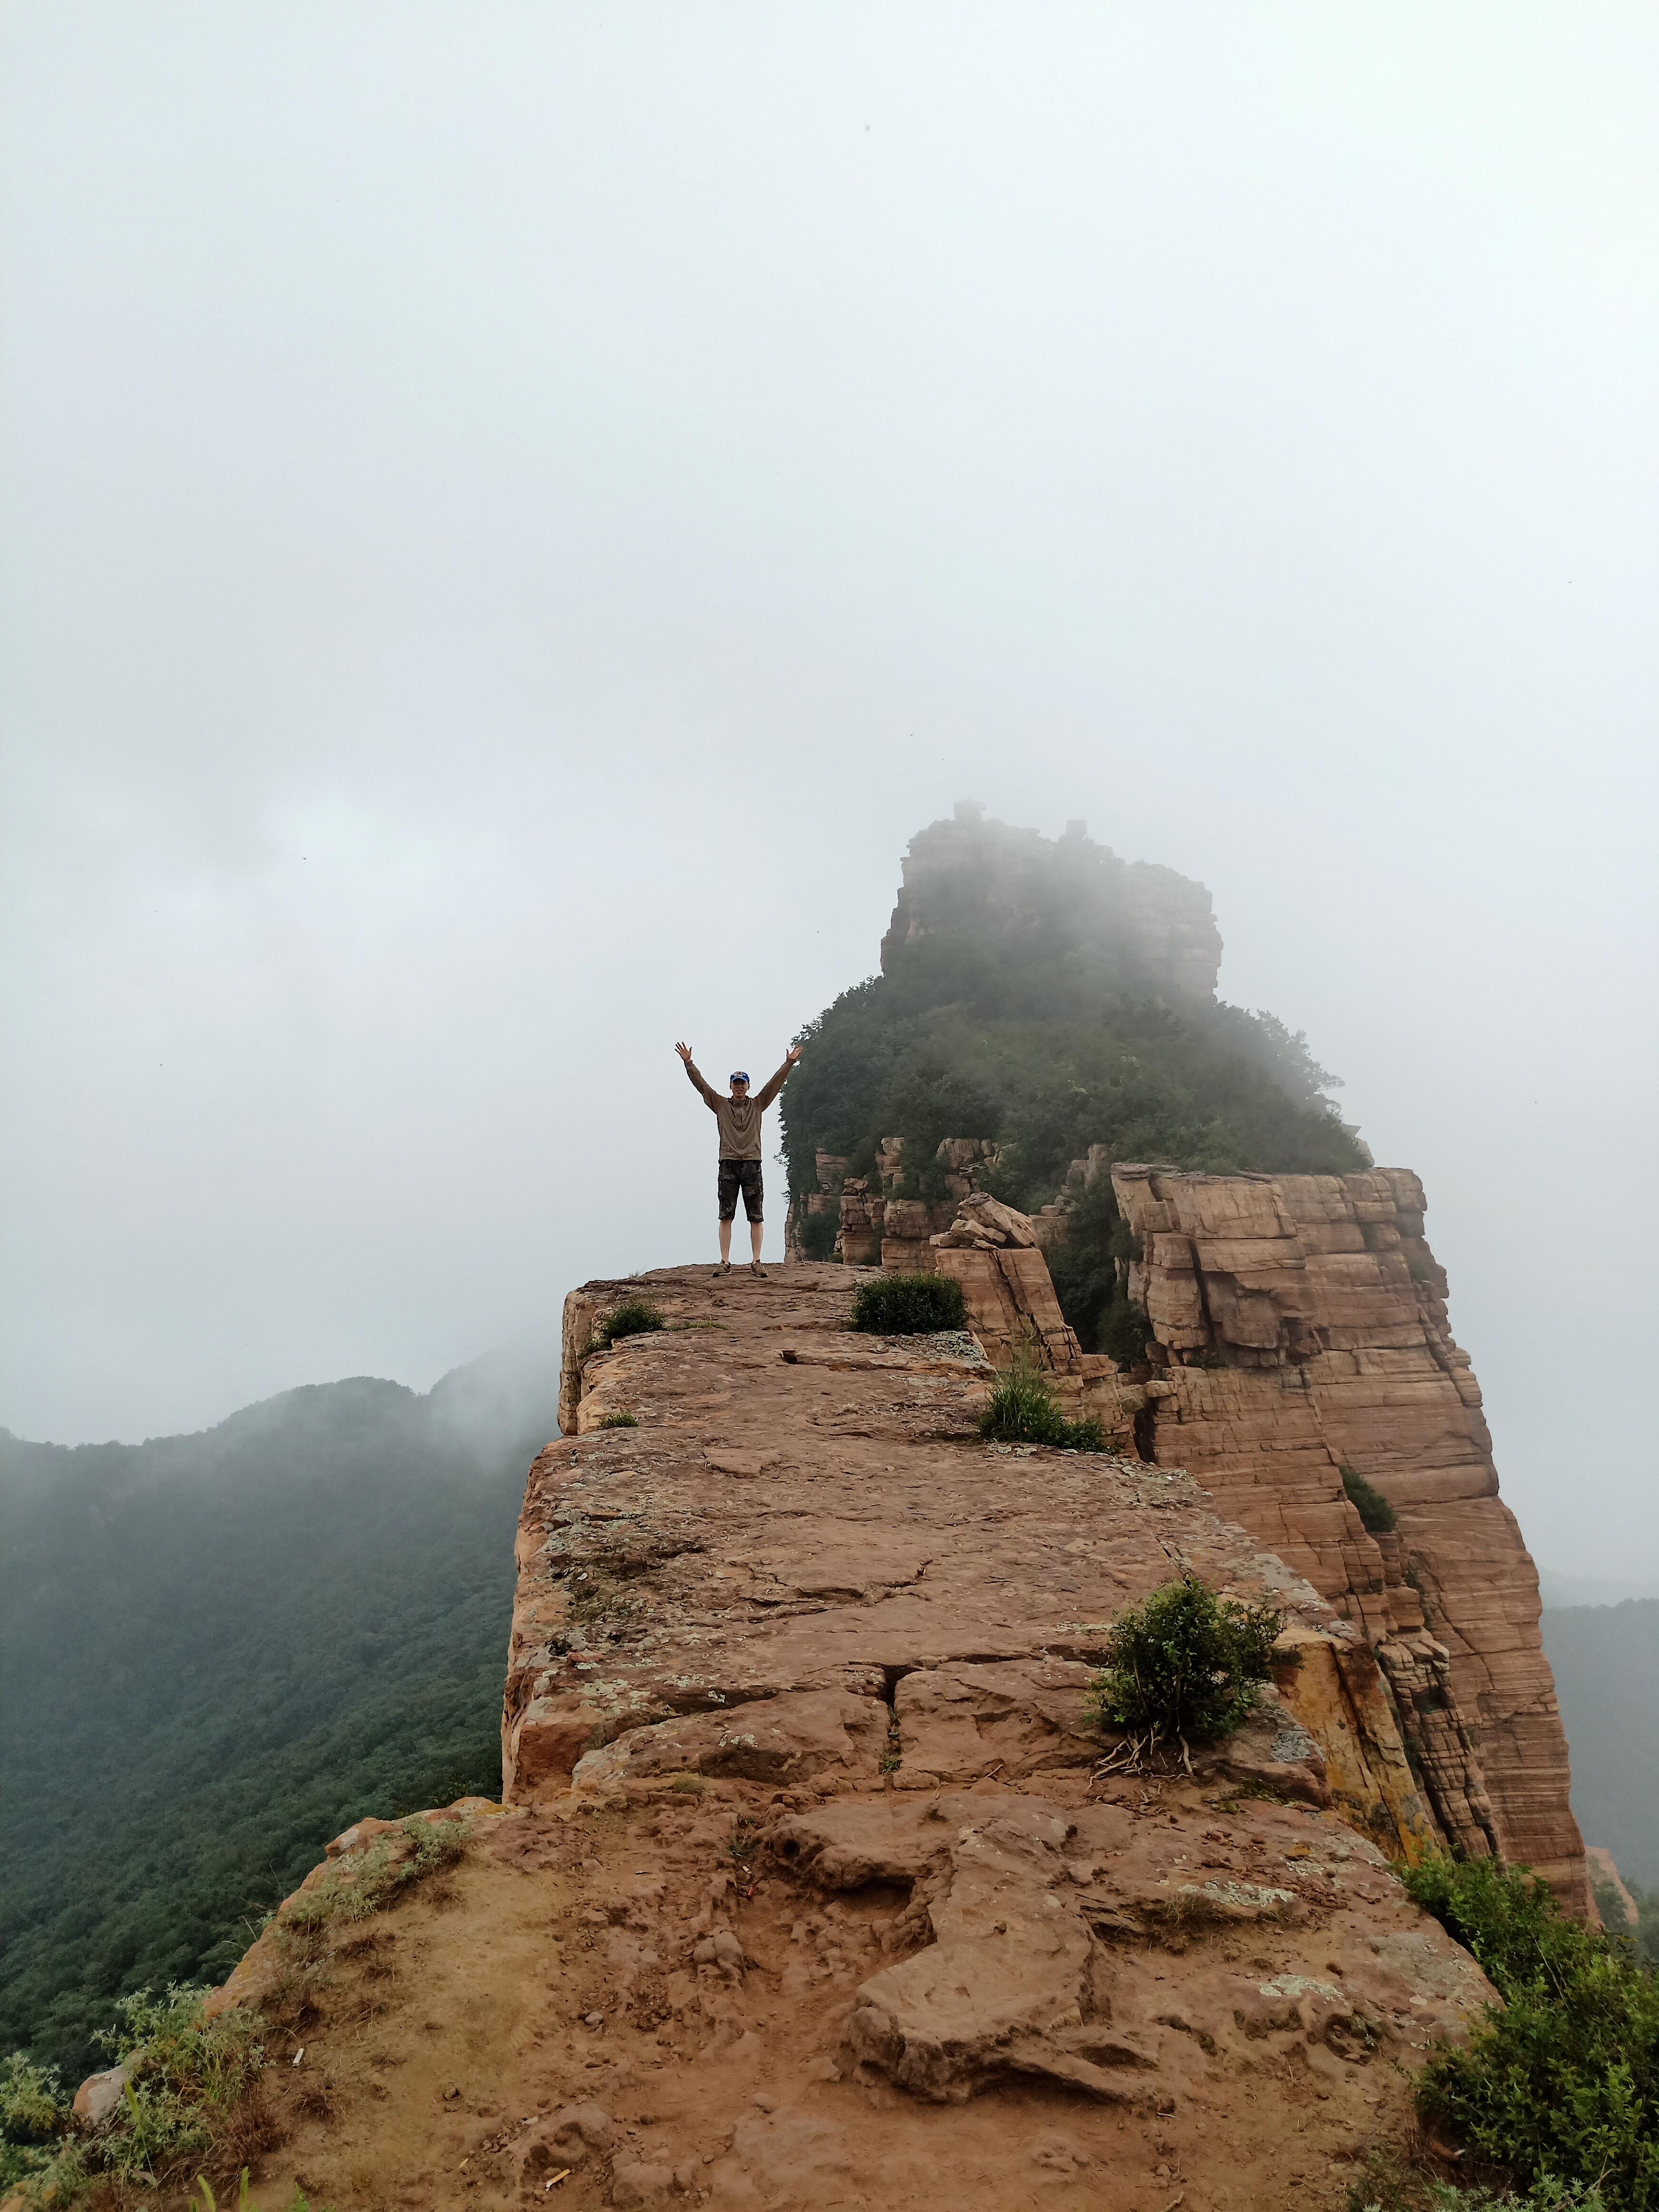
(818, 1880)
(1299, 1329)
(970, 874)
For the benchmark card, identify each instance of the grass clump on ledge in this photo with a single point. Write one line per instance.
(1186, 1664)
(633, 1317)
(1559, 2089)
(1023, 1411)
(909, 1305)
(192, 2098)
(1373, 1509)
(620, 1421)
(366, 1882)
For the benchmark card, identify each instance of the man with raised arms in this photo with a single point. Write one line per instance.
(740, 1119)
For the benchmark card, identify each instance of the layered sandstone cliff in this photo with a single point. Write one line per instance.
(818, 1880)
(1298, 1333)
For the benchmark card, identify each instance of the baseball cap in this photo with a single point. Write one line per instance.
(738, 1075)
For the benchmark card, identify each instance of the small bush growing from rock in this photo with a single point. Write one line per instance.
(909, 1305)
(1023, 1411)
(1186, 1664)
(1373, 1509)
(1560, 2086)
(620, 1421)
(633, 1317)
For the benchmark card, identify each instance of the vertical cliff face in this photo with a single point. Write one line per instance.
(1299, 1328)
(971, 874)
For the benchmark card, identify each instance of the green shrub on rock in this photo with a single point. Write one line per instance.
(1373, 1509)
(1023, 1410)
(909, 1305)
(1560, 2086)
(633, 1317)
(1186, 1664)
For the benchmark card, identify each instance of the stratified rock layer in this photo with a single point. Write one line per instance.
(1299, 1328)
(819, 1882)
(802, 1571)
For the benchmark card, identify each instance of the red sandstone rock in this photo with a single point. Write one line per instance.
(1321, 1301)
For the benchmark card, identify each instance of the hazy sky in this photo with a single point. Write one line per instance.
(514, 516)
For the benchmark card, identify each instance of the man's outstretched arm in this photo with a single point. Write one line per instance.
(776, 1083)
(708, 1098)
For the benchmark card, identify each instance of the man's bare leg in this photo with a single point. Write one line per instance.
(756, 1239)
(726, 1243)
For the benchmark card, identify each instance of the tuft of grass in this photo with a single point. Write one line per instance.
(366, 1882)
(1559, 2087)
(634, 1316)
(1387, 2185)
(1186, 1664)
(191, 2095)
(1023, 1410)
(909, 1305)
(1373, 1509)
(620, 1421)
(689, 1785)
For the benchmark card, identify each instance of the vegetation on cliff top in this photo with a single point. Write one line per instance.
(1560, 2085)
(1186, 1665)
(1043, 1034)
(1037, 1043)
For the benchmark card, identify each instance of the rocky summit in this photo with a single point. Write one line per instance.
(818, 1880)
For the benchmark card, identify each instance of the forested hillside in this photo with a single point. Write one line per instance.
(1606, 1663)
(217, 1650)
(1023, 1004)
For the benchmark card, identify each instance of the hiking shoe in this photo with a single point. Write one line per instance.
(756, 1268)
(724, 1268)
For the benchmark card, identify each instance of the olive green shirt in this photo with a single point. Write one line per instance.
(740, 1119)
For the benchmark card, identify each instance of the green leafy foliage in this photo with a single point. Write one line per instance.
(909, 1305)
(620, 1421)
(1373, 1509)
(633, 1316)
(190, 2092)
(1561, 2084)
(1050, 1044)
(1642, 1933)
(1390, 2186)
(1023, 1410)
(817, 1234)
(1186, 1663)
(34, 2111)
(218, 1652)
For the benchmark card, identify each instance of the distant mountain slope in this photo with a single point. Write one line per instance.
(1605, 1660)
(217, 1650)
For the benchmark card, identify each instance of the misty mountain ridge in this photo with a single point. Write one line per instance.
(216, 1649)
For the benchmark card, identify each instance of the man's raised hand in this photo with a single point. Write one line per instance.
(792, 1056)
(684, 1052)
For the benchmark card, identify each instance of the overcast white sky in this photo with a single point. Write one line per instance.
(514, 516)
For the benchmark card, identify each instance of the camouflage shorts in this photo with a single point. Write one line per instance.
(737, 1175)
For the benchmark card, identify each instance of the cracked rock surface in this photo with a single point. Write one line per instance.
(817, 1883)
